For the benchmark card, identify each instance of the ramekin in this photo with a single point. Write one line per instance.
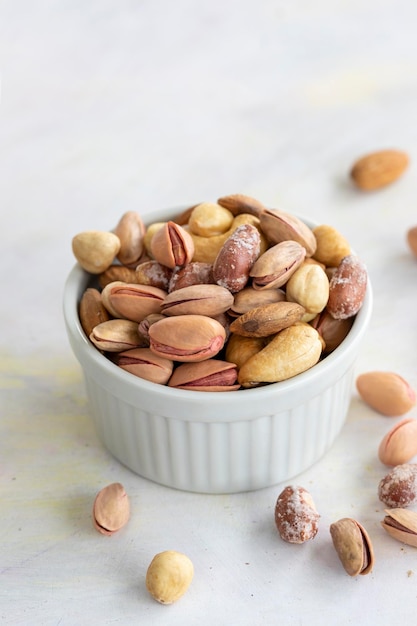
(215, 442)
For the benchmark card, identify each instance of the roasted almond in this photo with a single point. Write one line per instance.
(378, 169)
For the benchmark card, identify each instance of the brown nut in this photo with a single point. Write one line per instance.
(144, 363)
(130, 230)
(92, 311)
(168, 576)
(194, 273)
(187, 338)
(239, 203)
(386, 392)
(210, 375)
(347, 288)
(400, 444)
(378, 169)
(95, 250)
(111, 509)
(267, 320)
(332, 331)
(236, 257)
(296, 516)
(399, 487)
(117, 272)
(353, 546)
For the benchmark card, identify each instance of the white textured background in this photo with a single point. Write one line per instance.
(110, 106)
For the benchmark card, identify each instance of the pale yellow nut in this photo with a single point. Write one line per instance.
(208, 219)
(169, 575)
(331, 245)
(95, 250)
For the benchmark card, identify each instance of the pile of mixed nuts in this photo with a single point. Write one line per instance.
(227, 295)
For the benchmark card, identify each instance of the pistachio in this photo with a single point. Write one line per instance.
(95, 250)
(130, 230)
(151, 230)
(153, 273)
(239, 203)
(132, 301)
(296, 516)
(117, 335)
(347, 288)
(147, 322)
(386, 392)
(400, 444)
(401, 524)
(168, 576)
(236, 257)
(208, 300)
(92, 311)
(210, 375)
(353, 546)
(111, 509)
(208, 219)
(267, 320)
(281, 226)
(187, 338)
(144, 363)
(309, 286)
(290, 352)
(115, 273)
(275, 266)
(250, 298)
(332, 247)
(399, 487)
(194, 273)
(172, 245)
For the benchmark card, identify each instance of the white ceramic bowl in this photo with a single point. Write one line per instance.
(215, 442)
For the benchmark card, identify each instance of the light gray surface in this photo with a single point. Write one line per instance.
(111, 106)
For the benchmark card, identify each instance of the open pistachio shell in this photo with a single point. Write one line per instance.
(353, 546)
(401, 524)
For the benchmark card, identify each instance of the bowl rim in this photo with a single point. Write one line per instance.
(252, 402)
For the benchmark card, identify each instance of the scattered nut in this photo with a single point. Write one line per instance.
(378, 169)
(353, 546)
(111, 509)
(296, 516)
(169, 575)
(400, 444)
(386, 392)
(401, 524)
(412, 239)
(398, 489)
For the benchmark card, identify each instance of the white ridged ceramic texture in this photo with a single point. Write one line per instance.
(215, 442)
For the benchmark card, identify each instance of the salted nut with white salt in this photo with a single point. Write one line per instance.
(353, 546)
(296, 516)
(111, 509)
